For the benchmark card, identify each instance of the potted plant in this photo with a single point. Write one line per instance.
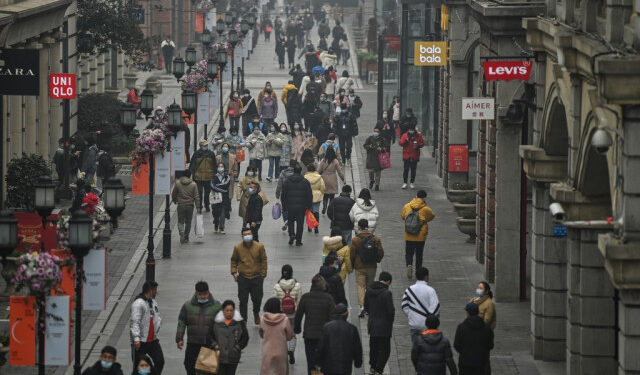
(466, 207)
(467, 225)
(460, 191)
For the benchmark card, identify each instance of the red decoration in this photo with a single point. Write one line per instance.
(89, 203)
(458, 158)
(507, 70)
(62, 86)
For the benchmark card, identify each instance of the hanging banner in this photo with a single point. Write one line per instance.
(30, 228)
(67, 286)
(478, 108)
(140, 180)
(237, 57)
(199, 22)
(162, 185)
(458, 158)
(507, 70)
(22, 331)
(429, 53)
(177, 153)
(95, 284)
(58, 324)
(210, 20)
(203, 107)
(214, 92)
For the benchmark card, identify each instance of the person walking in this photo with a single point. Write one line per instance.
(249, 268)
(416, 216)
(197, 317)
(220, 190)
(275, 331)
(355, 103)
(473, 342)
(254, 210)
(346, 128)
(145, 325)
(330, 169)
(257, 145)
(335, 287)
(419, 301)
(286, 173)
(243, 192)
(230, 336)
(340, 347)
(431, 353)
(297, 74)
(338, 212)
(378, 304)
(297, 197)
(411, 143)
(365, 208)
(344, 49)
(274, 142)
(90, 159)
(249, 110)
(366, 253)
(291, 50)
(288, 291)
(287, 149)
(268, 105)
(234, 110)
(375, 145)
(185, 195)
(345, 82)
(408, 121)
(315, 307)
(387, 129)
(202, 167)
(317, 190)
(167, 46)
(330, 143)
(486, 307)
(106, 365)
(297, 140)
(227, 157)
(335, 245)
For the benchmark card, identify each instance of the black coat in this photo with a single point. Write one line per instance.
(431, 355)
(315, 307)
(250, 108)
(474, 341)
(297, 76)
(407, 123)
(334, 283)
(346, 125)
(296, 195)
(378, 302)
(254, 209)
(96, 369)
(338, 211)
(340, 347)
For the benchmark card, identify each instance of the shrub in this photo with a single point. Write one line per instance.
(22, 175)
(463, 186)
(97, 111)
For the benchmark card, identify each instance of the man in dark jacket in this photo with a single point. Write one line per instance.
(297, 75)
(107, 364)
(250, 110)
(474, 341)
(408, 121)
(346, 128)
(431, 352)
(338, 213)
(378, 303)
(340, 347)
(254, 210)
(284, 174)
(334, 283)
(296, 197)
(315, 306)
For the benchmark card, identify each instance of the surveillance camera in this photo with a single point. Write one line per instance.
(601, 140)
(557, 211)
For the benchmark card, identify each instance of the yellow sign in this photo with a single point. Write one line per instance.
(444, 17)
(430, 54)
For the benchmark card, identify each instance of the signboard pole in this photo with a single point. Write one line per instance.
(151, 262)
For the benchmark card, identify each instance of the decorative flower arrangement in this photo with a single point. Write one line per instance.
(204, 6)
(89, 203)
(197, 78)
(150, 142)
(63, 229)
(39, 272)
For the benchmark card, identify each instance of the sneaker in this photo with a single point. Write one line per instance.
(269, 179)
(404, 186)
(324, 210)
(315, 230)
(412, 186)
(292, 358)
(370, 184)
(377, 187)
(216, 229)
(291, 240)
(409, 272)
(181, 239)
(298, 243)
(362, 313)
(256, 318)
(284, 227)
(222, 231)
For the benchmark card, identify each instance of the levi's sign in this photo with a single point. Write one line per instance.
(430, 54)
(507, 70)
(62, 86)
(478, 108)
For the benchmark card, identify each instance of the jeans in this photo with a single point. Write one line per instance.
(204, 189)
(412, 247)
(219, 212)
(346, 236)
(190, 357)
(257, 165)
(185, 215)
(364, 277)
(274, 166)
(375, 176)
(246, 288)
(345, 143)
(409, 165)
(379, 351)
(227, 368)
(154, 350)
(234, 122)
(345, 56)
(254, 232)
(311, 351)
(296, 225)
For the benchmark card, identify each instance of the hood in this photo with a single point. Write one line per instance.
(432, 338)
(313, 177)
(474, 322)
(332, 241)
(362, 206)
(296, 178)
(287, 284)
(327, 272)
(236, 316)
(377, 288)
(416, 203)
(273, 319)
(184, 180)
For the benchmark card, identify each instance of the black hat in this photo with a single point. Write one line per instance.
(340, 309)
(472, 308)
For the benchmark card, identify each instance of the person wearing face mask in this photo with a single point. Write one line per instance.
(243, 191)
(387, 130)
(106, 365)
(297, 139)
(375, 145)
(329, 270)
(486, 307)
(340, 101)
(145, 366)
(250, 110)
(287, 148)
(202, 168)
(254, 210)
(227, 157)
(257, 145)
(394, 111)
(234, 110)
(145, 324)
(275, 141)
(408, 121)
(249, 269)
(220, 186)
(230, 337)
(326, 107)
(355, 103)
(346, 128)
(197, 318)
(267, 105)
(411, 143)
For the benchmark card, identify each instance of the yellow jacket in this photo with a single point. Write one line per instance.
(317, 185)
(426, 215)
(343, 252)
(285, 90)
(487, 310)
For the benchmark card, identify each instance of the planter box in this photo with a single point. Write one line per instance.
(467, 226)
(465, 209)
(130, 80)
(457, 196)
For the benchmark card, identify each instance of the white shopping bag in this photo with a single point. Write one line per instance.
(199, 226)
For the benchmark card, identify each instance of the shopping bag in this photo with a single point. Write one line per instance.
(240, 156)
(268, 29)
(208, 361)
(385, 160)
(312, 222)
(215, 197)
(199, 226)
(276, 211)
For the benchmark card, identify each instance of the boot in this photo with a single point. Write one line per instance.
(256, 318)
(292, 358)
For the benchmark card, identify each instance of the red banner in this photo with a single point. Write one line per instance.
(22, 331)
(30, 229)
(67, 286)
(199, 22)
(140, 180)
(458, 158)
(507, 70)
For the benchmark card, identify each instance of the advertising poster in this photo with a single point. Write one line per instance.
(95, 272)
(57, 350)
(67, 286)
(22, 331)
(140, 180)
(203, 107)
(162, 181)
(177, 153)
(30, 228)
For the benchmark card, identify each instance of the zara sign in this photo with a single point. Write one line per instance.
(19, 71)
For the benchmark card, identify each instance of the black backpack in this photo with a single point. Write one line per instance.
(292, 96)
(369, 251)
(106, 167)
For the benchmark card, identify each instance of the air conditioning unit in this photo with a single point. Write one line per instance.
(372, 79)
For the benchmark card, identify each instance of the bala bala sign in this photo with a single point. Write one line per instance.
(20, 71)
(507, 70)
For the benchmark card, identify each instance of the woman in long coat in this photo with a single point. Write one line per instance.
(243, 191)
(275, 331)
(330, 169)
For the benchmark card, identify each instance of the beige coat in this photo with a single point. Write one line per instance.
(317, 185)
(234, 169)
(330, 173)
(243, 195)
(275, 331)
(298, 146)
(487, 310)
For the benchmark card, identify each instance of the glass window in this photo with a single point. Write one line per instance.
(416, 20)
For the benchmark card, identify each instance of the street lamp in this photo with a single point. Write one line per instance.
(251, 19)
(113, 199)
(190, 56)
(146, 102)
(212, 68)
(128, 117)
(205, 38)
(228, 18)
(234, 38)
(174, 113)
(221, 59)
(189, 106)
(8, 233)
(220, 29)
(244, 27)
(178, 67)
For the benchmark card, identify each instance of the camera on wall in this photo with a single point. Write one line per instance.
(601, 141)
(557, 211)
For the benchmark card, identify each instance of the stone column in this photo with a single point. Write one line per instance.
(14, 123)
(84, 67)
(43, 132)
(30, 125)
(93, 74)
(107, 69)
(629, 335)
(121, 70)
(100, 73)
(55, 105)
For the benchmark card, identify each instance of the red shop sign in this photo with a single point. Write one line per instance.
(62, 86)
(507, 70)
(458, 158)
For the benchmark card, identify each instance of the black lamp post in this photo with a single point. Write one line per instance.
(190, 56)
(221, 58)
(128, 117)
(8, 234)
(234, 38)
(189, 106)
(220, 29)
(146, 102)
(205, 38)
(113, 199)
(80, 242)
(175, 125)
(244, 29)
(228, 18)
(178, 67)
(151, 261)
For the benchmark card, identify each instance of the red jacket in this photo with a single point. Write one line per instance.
(132, 98)
(409, 151)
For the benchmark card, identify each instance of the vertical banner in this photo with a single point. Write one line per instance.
(226, 74)
(177, 153)
(58, 323)
(140, 180)
(203, 107)
(199, 22)
(237, 57)
(245, 47)
(22, 331)
(162, 183)
(95, 272)
(214, 92)
(210, 21)
(67, 286)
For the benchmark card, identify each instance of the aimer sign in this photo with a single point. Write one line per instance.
(430, 54)
(478, 108)
(62, 86)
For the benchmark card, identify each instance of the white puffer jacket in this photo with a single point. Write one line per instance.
(362, 211)
(291, 286)
(141, 312)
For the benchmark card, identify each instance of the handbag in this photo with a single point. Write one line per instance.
(215, 197)
(199, 226)
(385, 160)
(240, 156)
(312, 222)
(276, 211)
(208, 361)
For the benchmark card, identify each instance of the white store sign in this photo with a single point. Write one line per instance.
(478, 108)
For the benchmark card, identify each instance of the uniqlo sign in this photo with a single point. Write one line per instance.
(507, 70)
(62, 86)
